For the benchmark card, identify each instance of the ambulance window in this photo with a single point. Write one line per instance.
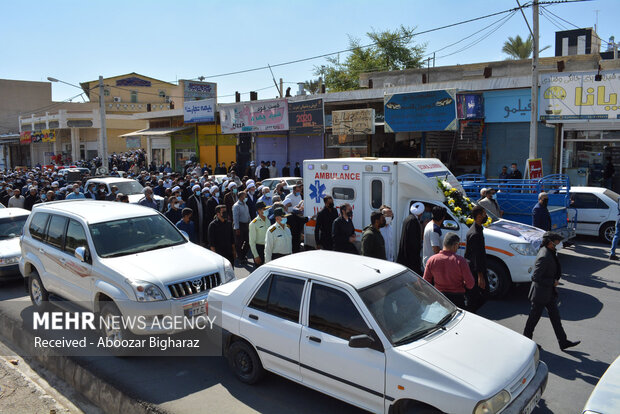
(376, 193)
(343, 193)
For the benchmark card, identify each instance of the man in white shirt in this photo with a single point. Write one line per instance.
(273, 171)
(388, 232)
(295, 195)
(433, 238)
(18, 200)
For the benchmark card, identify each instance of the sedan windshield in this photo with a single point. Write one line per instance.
(407, 308)
(12, 227)
(134, 235)
(128, 187)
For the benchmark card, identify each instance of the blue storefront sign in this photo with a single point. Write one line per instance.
(421, 111)
(199, 111)
(512, 105)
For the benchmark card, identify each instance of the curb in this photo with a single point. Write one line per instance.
(98, 391)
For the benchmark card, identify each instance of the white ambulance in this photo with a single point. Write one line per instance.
(368, 183)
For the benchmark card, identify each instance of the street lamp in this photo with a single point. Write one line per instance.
(103, 136)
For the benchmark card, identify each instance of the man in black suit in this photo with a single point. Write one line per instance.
(410, 244)
(343, 231)
(323, 227)
(543, 292)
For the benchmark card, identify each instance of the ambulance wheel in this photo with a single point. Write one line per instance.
(498, 278)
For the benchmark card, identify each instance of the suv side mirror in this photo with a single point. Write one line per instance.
(81, 254)
(450, 225)
(361, 341)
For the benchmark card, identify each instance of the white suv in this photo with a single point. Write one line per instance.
(117, 259)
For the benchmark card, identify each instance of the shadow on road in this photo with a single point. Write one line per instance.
(585, 368)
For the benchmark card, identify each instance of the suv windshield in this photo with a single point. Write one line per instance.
(407, 308)
(12, 227)
(134, 235)
(128, 187)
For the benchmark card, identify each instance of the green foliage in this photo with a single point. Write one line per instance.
(390, 51)
(517, 48)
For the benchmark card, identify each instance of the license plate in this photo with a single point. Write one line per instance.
(196, 309)
(533, 402)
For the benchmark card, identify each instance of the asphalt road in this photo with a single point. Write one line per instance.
(589, 308)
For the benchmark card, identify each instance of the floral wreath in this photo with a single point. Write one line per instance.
(460, 205)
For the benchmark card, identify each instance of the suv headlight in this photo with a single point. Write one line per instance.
(146, 291)
(493, 404)
(525, 249)
(229, 272)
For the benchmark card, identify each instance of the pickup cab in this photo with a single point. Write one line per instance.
(375, 335)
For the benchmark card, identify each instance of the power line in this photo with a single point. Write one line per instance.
(574, 25)
(552, 19)
(398, 38)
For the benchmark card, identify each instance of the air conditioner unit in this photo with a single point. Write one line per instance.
(117, 99)
(167, 99)
(388, 85)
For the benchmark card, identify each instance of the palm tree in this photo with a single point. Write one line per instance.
(516, 48)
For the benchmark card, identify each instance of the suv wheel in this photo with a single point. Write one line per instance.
(245, 362)
(110, 331)
(38, 294)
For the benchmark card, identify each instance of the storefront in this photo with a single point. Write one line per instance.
(215, 147)
(584, 108)
(267, 121)
(306, 129)
(507, 118)
(350, 134)
(184, 148)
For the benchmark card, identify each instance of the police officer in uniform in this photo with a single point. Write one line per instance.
(278, 241)
(258, 231)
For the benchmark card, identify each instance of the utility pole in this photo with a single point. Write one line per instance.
(534, 97)
(103, 134)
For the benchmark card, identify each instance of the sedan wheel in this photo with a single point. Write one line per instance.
(245, 362)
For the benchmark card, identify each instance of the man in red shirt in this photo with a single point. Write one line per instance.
(448, 272)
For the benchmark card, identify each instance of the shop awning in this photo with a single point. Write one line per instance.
(155, 131)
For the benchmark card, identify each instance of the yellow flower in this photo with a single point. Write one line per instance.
(467, 199)
(446, 193)
(458, 209)
(488, 222)
(450, 201)
(469, 221)
(452, 190)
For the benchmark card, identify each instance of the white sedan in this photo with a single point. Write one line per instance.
(374, 334)
(11, 227)
(597, 211)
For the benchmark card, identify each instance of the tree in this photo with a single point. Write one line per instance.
(516, 48)
(389, 50)
(312, 86)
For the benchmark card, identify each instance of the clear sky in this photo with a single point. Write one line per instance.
(77, 41)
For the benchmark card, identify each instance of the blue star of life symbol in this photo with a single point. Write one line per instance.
(317, 191)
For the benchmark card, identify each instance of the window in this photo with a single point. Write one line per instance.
(56, 231)
(76, 237)
(162, 94)
(106, 92)
(332, 312)
(584, 200)
(37, 226)
(280, 296)
(134, 96)
(11, 227)
(376, 193)
(343, 193)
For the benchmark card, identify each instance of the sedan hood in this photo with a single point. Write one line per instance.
(167, 265)
(479, 352)
(10, 247)
(134, 198)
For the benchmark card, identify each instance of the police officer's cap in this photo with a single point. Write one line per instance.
(279, 212)
(260, 205)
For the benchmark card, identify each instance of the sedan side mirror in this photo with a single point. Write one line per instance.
(81, 254)
(361, 341)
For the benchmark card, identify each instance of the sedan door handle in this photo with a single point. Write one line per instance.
(315, 339)
(252, 316)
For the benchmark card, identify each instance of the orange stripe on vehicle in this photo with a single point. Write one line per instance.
(495, 249)
(311, 223)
